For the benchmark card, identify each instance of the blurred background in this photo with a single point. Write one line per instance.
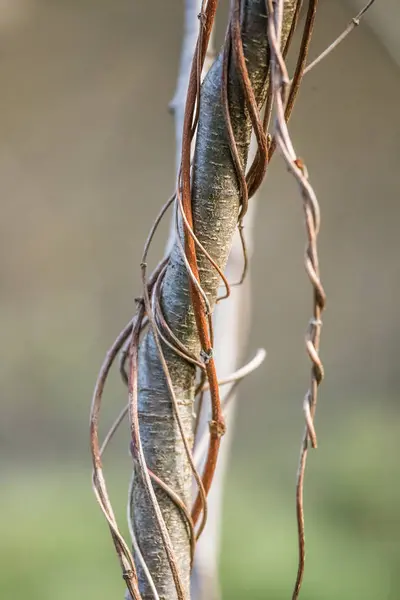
(86, 160)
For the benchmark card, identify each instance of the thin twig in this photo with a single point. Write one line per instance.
(352, 25)
(241, 373)
(235, 378)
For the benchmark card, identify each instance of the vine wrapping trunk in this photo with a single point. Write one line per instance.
(215, 210)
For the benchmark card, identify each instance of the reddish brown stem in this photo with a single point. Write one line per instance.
(202, 322)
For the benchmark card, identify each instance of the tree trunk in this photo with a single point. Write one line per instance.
(215, 207)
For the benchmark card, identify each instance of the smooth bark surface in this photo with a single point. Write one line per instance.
(215, 204)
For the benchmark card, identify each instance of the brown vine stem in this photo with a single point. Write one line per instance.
(252, 99)
(99, 485)
(217, 426)
(300, 66)
(296, 166)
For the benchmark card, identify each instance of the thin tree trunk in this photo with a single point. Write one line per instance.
(231, 326)
(215, 207)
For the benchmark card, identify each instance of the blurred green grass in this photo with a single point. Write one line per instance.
(55, 544)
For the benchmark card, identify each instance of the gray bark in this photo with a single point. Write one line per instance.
(215, 206)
